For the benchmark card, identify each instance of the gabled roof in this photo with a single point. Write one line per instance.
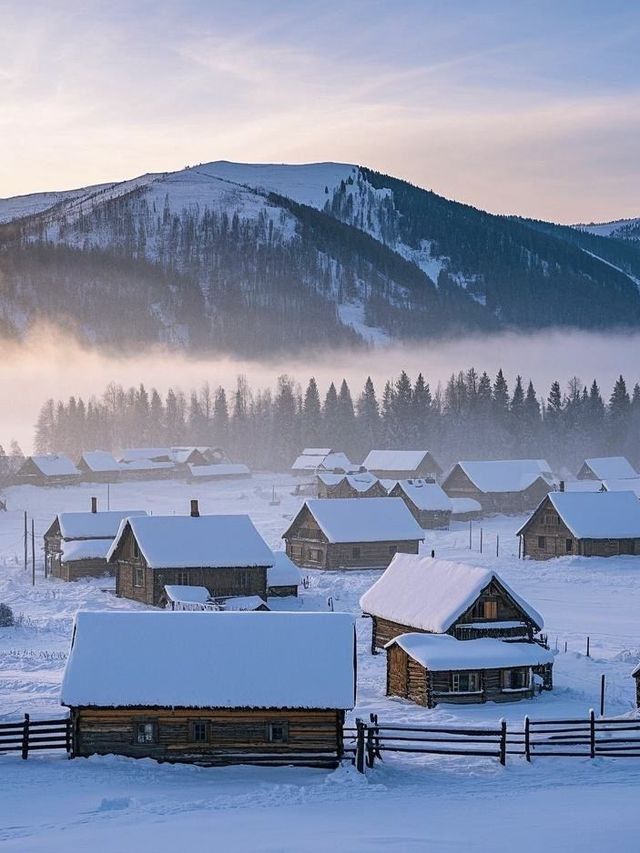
(432, 594)
(284, 571)
(358, 520)
(461, 506)
(133, 454)
(504, 475)
(395, 460)
(211, 660)
(629, 484)
(206, 541)
(220, 469)
(54, 465)
(443, 653)
(361, 481)
(186, 593)
(596, 515)
(582, 486)
(145, 465)
(94, 525)
(100, 461)
(611, 467)
(426, 496)
(313, 458)
(85, 549)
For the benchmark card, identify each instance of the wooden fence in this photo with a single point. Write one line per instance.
(28, 735)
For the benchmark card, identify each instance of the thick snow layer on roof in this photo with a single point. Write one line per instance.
(85, 549)
(599, 515)
(628, 484)
(133, 454)
(94, 525)
(239, 603)
(506, 475)
(394, 460)
(432, 594)
(357, 520)
(461, 506)
(206, 541)
(190, 594)
(441, 652)
(317, 451)
(100, 460)
(145, 465)
(284, 571)
(317, 459)
(360, 482)
(55, 465)
(426, 496)
(582, 485)
(211, 660)
(611, 467)
(220, 469)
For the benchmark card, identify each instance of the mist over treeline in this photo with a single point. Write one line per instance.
(473, 416)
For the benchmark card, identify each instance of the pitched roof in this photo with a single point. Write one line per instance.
(284, 571)
(313, 458)
(629, 484)
(394, 460)
(94, 525)
(371, 520)
(360, 481)
(85, 549)
(219, 469)
(100, 461)
(426, 496)
(186, 593)
(54, 465)
(611, 467)
(432, 594)
(506, 475)
(133, 454)
(461, 506)
(442, 652)
(207, 541)
(597, 515)
(211, 660)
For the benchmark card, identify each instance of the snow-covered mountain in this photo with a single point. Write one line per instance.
(254, 258)
(622, 229)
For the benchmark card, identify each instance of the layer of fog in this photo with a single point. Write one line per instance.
(49, 364)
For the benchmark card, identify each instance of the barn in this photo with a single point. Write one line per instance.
(585, 524)
(224, 553)
(502, 485)
(427, 502)
(99, 466)
(606, 468)
(402, 464)
(349, 533)
(360, 485)
(50, 469)
(211, 688)
(432, 668)
(423, 594)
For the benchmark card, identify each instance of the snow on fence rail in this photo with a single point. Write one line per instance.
(28, 734)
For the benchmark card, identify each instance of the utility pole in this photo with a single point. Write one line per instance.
(33, 553)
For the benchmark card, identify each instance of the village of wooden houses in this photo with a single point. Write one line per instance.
(171, 604)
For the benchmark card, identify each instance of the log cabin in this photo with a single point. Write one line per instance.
(427, 502)
(99, 466)
(585, 524)
(606, 468)
(630, 484)
(359, 485)
(423, 594)
(349, 533)
(50, 469)
(431, 668)
(217, 471)
(224, 553)
(402, 465)
(76, 544)
(211, 688)
(284, 577)
(314, 459)
(501, 486)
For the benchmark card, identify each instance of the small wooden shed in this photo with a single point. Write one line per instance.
(501, 485)
(50, 469)
(99, 466)
(359, 485)
(402, 464)
(211, 688)
(430, 668)
(284, 577)
(349, 533)
(427, 502)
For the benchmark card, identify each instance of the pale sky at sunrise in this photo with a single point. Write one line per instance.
(515, 107)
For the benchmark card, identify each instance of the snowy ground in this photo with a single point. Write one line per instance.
(414, 803)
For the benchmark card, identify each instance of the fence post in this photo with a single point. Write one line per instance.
(527, 738)
(25, 737)
(360, 726)
(592, 732)
(376, 729)
(25, 541)
(470, 534)
(588, 646)
(481, 540)
(68, 737)
(33, 552)
(497, 545)
(370, 750)
(565, 647)
(503, 742)
(602, 687)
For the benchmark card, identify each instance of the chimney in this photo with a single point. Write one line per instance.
(562, 485)
(195, 512)
(94, 504)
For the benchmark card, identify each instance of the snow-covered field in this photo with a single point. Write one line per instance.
(412, 803)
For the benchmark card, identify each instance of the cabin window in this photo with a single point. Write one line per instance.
(138, 576)
(490, 609)
(183, 578)
(515, 679)
(568, 545)
(146, 732)
(314, 555)
(465, 682)
(278, 732)
(541, 542)
(199, 731)
(393, 549)
(135, 550)
(355, 552)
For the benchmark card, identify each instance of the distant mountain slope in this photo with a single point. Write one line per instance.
(623, 229)
(255, 259)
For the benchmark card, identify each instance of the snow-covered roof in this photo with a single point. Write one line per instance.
(394, 460)
(133, 454)
(317, 451)
(284, 571)
(359, 482)
(432, 594)
(220, 469)
(190, 594)
(145, 465)
(629, 484)
(329, 478)
(506, 475)
(55, 465)
(100, 461)
(319, 457)
(442, 652)
(94, 525)
(357, 520)
(211, 660)
(582, 485)
(85, 549)
(597, 515)
(336, 461)
(611, 467)
(239, 603)
(461, 506)
(425, 495)
(206, 541)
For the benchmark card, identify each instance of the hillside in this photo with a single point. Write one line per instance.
(258, 259)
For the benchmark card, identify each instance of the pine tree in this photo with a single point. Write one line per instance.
(619, 416)
(346, 419)
(330, 420)
(368, 418)
(220, 418)
(311, 415)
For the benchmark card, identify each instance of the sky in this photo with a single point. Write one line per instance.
(516, 107)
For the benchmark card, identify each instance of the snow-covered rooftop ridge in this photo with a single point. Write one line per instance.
(284, 571)
(443, 653)
(627, 484)
(211, 660)
(598, 515)
(431, 594)
(54, 465)
(611, 467)
(426, 496)
(312, 459)
(85, 549)
(370, 520)
(160, 454)
(461, 506)
(100, 461)
(187, 594)
(506, 475)
(394, 460)
(206, 541)
(219, 469)
(94, 525)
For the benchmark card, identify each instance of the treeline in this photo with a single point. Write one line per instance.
(471, 417)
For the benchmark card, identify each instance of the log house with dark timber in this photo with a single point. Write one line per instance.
(501, 486)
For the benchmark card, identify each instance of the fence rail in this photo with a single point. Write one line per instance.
(28, 735)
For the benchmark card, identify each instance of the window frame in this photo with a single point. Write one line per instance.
(138, 577)
(192, 731)
(472, 676)
(144, 724)
(490, 604)
(277, 725)
(522, 674)
(568, 545)
(542, 542)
